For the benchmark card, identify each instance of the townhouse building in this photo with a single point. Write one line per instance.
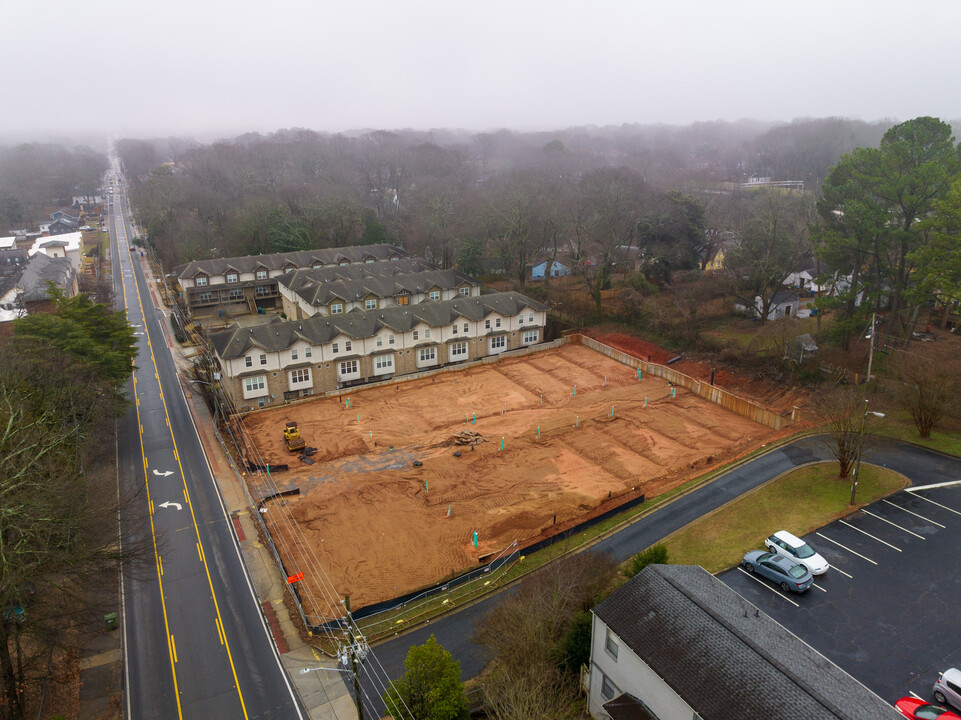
(282, 360)
(241, 285)
(306, 293)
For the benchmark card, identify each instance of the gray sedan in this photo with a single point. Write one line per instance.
(788, 574)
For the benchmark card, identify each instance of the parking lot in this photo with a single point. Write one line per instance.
(889, 609)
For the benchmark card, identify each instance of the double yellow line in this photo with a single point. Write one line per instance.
(221, 633)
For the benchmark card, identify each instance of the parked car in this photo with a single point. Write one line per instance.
(915, 709)
(786, 573)
(794, 548)
(948, 687)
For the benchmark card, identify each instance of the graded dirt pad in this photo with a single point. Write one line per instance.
(379, 526)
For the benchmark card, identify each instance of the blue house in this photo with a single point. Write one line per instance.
(538, 272)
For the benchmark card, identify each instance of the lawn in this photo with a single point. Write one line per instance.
(799, 501)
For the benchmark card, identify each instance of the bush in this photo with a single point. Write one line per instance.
(577, 643)
(654, 555)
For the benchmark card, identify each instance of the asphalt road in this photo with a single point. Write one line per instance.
(195, 642)
(454, 631)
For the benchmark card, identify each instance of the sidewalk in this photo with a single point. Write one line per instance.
(323, 693)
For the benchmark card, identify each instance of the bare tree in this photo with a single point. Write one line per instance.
(928, 378)
(846, 411)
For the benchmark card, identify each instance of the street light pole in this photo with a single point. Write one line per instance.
(857, 464)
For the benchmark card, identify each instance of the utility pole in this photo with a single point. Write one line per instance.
(354, 661)
(870, 351)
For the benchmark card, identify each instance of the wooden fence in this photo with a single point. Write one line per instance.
(741, 406)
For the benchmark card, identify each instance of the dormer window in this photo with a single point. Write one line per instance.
(403, 299)
(201, 280)
(232, 277)
(317, 266)
(337, 309)
(434, 294)
(261, 274)
(465, 291)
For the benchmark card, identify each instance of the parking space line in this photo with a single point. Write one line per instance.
(914, 513)
(883, 542)
(909, 532)
(848, 549)
(949, 483)
(835, 567)
(764, 584)
(938, 504)
(819, 587)
(915, 694)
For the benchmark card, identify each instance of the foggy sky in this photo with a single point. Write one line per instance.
(211, 68)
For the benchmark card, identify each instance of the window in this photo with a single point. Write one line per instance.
(466, 327)
(201, 280)
(301, 375)
(530, 318)
(487, 324)
(610, 644)
(347, 346)
(231, 277)
(384, 362)
(498, 343)
(335, 348)
(345, 262)
(261, 274)
(434, 294)
(380, 341)
(263, 359)
(348, 367)
(530, 336)
(248, 361)
(427, 333)
(288, 270)
(370, 304)
(317, 266)
(336, 309)
(236, 294)
(206, 296)
(390, 339)
(497, 322)
(465, 291)
(416, 334)
(609, 690)
(427, 354)
(263, 401)
(308, 352)
(255, 383)
(453, 329)
(263, 290)
(293, 353)
(369, 260)
(520, 319)
(458, 350)
(403, 299)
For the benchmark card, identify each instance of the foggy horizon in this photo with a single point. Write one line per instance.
(178, 69)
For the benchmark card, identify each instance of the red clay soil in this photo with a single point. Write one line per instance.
(379, 527)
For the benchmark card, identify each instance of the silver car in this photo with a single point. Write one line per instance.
(948, 687)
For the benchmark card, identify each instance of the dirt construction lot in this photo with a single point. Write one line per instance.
(379, 526)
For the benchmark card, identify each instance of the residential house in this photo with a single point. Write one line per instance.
(30, 291)
(241, 285)
(12, 264)
(306, 293)
(283, 360)
(61, 226)
(62, 246)
(675, 643)
(557, 269)
(783, 304)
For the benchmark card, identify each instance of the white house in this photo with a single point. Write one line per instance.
(676, 643)
(783, 304)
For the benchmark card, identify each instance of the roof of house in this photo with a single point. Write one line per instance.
(318, 293)
(297, 259)
(320, 329)
(41, 269)
(70, 241)
(719, 652)
(12, 264)
(783, 296)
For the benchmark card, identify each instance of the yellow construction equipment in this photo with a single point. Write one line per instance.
(295, 443)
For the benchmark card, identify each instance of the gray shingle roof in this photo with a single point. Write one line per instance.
(39, 270)
(721, 654)
(318, 330)
(381, 285)
(12, 264)
(298, 258)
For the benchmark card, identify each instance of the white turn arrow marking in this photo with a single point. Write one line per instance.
(171, 504)
(165, 473)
